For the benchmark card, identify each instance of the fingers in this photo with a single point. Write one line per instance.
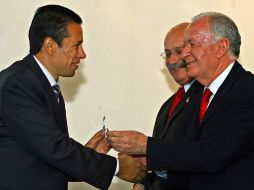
(132, 142)
(116, 133)
(118, 136)
(140, 158)
(120, 140)
(138, 186)
(98, 136)
(120, 144)
(130, 169)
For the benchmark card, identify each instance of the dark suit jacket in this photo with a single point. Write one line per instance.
(171, 129)
(36, 150)
(218, 153)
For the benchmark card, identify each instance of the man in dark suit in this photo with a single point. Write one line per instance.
(170, 119)
(218, 149)
(169, 124)
(35, 147)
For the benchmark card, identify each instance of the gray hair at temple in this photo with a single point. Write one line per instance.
(224, 27)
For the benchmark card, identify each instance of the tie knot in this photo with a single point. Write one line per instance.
(207, 94)
(56, 88)
(180, 92)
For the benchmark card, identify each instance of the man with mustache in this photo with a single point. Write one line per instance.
(218, 149)
(169, 124)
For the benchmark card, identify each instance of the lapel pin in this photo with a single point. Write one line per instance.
(187, 99)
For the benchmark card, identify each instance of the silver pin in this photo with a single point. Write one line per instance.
(103, 125)
(187, 100)
(104, 128)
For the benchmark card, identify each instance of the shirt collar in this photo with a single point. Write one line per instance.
(215, 85)
(50, 78)
(187, 86)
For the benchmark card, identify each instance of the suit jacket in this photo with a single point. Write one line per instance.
(36, 150)
(171, 129)
(218, 153)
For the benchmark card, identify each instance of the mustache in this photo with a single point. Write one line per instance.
(175, 66)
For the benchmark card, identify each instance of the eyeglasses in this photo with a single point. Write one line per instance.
(167, 54)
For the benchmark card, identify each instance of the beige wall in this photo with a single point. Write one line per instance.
(123, 76)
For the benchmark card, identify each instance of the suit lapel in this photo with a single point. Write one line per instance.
(162, 118)
(59, 115)
(222, 91)
(169, 120)
(185, 100)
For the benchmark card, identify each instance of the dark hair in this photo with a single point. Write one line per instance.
(50, 21)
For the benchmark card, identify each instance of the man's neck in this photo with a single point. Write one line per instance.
(44, 61)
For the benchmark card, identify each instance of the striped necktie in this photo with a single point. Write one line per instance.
(56, 89)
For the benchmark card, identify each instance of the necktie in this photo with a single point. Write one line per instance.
(177, 98)
(60, 100)
(204, 103)
(56, 89)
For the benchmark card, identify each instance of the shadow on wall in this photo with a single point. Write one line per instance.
(70, 85)
(169, 79)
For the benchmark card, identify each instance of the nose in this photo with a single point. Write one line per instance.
(174, 58)
(185, 52)
(81, 53)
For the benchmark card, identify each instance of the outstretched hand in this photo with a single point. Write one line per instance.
(130, 169)
(98, 143)
(130, 142)
(138, 186)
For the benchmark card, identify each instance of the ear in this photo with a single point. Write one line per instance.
(49, 45)
(222, 47)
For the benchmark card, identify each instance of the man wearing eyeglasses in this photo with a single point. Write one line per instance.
(170, 119)
(218, 149)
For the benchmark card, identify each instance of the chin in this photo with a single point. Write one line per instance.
(192, 74)
(68, 75)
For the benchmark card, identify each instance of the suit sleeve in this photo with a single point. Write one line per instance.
(32, 124)
(226, 137)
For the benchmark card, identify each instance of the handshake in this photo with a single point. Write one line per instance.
(131, 146)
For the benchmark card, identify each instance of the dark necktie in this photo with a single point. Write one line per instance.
(56, 89)
(204, 103)
(60, 100)
(59, 97)
(177, 98)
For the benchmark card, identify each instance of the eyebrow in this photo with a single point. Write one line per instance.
(176, 48)
(78, 43)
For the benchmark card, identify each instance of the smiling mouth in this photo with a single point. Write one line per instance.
(75, 65)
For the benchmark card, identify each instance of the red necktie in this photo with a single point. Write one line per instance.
(177, 98)
(204, 103)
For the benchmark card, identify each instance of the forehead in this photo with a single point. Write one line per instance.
(75, 31)
(174, 38)
(75, 35)
(198, 30)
